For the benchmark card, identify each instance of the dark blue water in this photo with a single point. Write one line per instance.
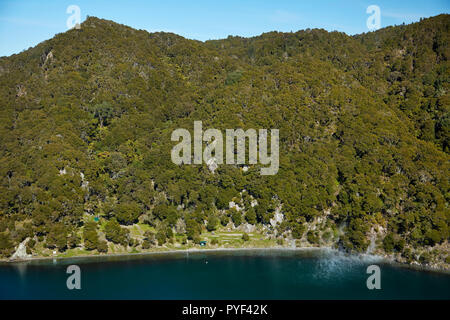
(267, 274)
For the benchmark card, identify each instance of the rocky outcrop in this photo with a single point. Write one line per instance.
(84, 183)
(247, 228)
(21, 251)
(233, 204)
(278, 217)
(212, 164)
(180, 226)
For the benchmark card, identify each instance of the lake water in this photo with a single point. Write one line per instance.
(259, 274)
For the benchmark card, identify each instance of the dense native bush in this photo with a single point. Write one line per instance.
(86, 120)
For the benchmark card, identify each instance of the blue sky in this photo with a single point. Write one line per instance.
(25, 23)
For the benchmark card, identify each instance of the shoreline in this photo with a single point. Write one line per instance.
(363, 256)
(159, 252)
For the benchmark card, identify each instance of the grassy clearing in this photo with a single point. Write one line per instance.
(225, 239)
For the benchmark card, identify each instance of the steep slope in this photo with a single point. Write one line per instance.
(86, 120)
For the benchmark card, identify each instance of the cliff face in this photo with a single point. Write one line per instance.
(21, 251)
(364, 136)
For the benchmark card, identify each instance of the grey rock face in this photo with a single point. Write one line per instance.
(21, 251)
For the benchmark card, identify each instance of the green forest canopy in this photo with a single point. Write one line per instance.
(86, 119)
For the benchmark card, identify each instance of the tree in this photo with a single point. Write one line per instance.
(236, 217)
(245, 237)
(73, 240)
(90, 236)
(213, 221)
(262, 211)
(197, 239)
(298, 230)
(103, 112)
(6, 248)
(312, 237)
(161, 237)
(250, 216)
(149, 240)
(57, 237)
(192, 229)
(224, 198)
(115, 233)
(166, 213)
(432, 237)
(102, 246)
(224, 220)
(146, 244)
(127, 213)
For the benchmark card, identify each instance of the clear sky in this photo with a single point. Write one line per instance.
(25, 23)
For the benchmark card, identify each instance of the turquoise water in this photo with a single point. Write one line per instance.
(266, 274)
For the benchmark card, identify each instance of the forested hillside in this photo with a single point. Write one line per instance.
(86, 120)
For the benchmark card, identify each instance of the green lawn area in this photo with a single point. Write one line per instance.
(225, 238)
(74, 252)
(234, 239)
